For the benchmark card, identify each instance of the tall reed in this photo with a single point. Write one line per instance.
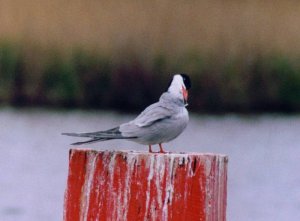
(242, 55)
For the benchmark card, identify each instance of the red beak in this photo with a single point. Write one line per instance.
(185, 95)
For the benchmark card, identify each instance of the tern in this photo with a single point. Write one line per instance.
(159, 123)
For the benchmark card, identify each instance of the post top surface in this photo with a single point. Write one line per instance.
(145, 153)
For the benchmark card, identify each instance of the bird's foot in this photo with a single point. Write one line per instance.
(150, 149)
(161, 150)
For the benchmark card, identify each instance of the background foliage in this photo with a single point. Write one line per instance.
(242, 56)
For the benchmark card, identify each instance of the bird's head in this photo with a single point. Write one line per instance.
(179, 86)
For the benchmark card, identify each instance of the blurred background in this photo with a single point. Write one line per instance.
(76, 66)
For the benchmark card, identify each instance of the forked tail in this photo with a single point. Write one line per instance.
(111, 134)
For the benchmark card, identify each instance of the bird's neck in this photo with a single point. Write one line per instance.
(169, 98)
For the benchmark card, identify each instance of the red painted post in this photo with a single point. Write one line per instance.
(133, 186)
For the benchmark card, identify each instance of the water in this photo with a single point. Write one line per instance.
(264, 153)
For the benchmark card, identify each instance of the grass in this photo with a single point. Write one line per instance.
(242, 55)
(174, 27)
(90, 80)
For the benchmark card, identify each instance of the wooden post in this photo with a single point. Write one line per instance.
(133, 186)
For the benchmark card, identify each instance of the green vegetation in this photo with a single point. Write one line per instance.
(242, 55)
(87, 79)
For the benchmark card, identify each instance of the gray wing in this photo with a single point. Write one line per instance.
(146, 120)
(151, 114)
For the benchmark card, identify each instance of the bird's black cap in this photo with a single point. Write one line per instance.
(186, 81)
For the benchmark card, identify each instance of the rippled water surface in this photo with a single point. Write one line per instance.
(264, 160)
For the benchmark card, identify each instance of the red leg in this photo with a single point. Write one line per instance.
(161, 149)
(150, 149)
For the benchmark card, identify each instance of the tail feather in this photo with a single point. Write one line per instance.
(113, 133)
(89, 141)
(74, 134)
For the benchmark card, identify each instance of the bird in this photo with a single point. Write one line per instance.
(159, 123)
